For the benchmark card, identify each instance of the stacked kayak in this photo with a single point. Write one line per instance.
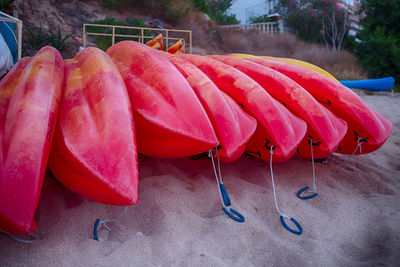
(276, 127)
(29, 102)
(323, 127)
(106, 107)
(231, 124)
(94, 149)
(170, 120)
(364, 124)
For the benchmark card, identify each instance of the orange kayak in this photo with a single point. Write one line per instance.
(156, 43)
(170, 121)
(94, 149)
(29, 102)
(176, 48)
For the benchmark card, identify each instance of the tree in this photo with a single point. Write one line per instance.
(217, 10)
(379, 47)
(316, 20)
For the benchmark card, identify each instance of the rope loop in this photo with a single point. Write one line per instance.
(360, 141)
(313, 193)
(223, 193)
(270, 148)
(32, 238)
(282, 215)
(98, 223)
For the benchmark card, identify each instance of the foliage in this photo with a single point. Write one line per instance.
(217, 11)
(104, 42)
(112, 4)
(5, 4)
(316, 20)
(38, 38)
(173, 10)
(379, 47)
(259, 19)
(57, 41)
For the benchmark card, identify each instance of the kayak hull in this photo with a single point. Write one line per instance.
(169, 118)
(364, 124)
(276, 126)
(94, 150)
(232, 125)
(29, 101)
(323, 127)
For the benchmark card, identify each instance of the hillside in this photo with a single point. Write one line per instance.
(207, 37)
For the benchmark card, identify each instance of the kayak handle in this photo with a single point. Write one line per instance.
(297, 232)
(233, 214)
(360, 139)
(269, 147)
(308, 196)
(225, 195)
(312, 143)
(96, 226)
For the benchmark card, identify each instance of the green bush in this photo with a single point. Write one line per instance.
(5, 4)
(379, 54)
(112, 4)
(173, 10)
(379, 47)
(57, 41)
(36, 39)
(259, 19)
(217, 11)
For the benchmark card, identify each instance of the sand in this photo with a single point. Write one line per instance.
(355, 220)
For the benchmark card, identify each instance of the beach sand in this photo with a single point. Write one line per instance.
(355, 220)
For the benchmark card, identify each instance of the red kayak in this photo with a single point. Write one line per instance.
(94, 150)
(29, 102)
(324, 128)
(276, 125)
(365, 126)
(232, 125)
(170, 121)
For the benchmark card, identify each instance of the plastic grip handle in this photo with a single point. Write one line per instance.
(297, 232)
(305, 197)
(239, 217)
(225, 195)
(96, 225)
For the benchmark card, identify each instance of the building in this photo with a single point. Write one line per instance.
(268, 8)
(261, 9)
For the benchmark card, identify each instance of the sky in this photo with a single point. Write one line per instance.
(239, 8)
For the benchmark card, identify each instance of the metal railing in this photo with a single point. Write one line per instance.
(267, 27)
(144, 35)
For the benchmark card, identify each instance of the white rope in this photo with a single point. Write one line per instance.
(359, 144)
(21, 240)
(125, 212)
(273, 187)
(218, 178)
(313, 168)
(104, 222)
